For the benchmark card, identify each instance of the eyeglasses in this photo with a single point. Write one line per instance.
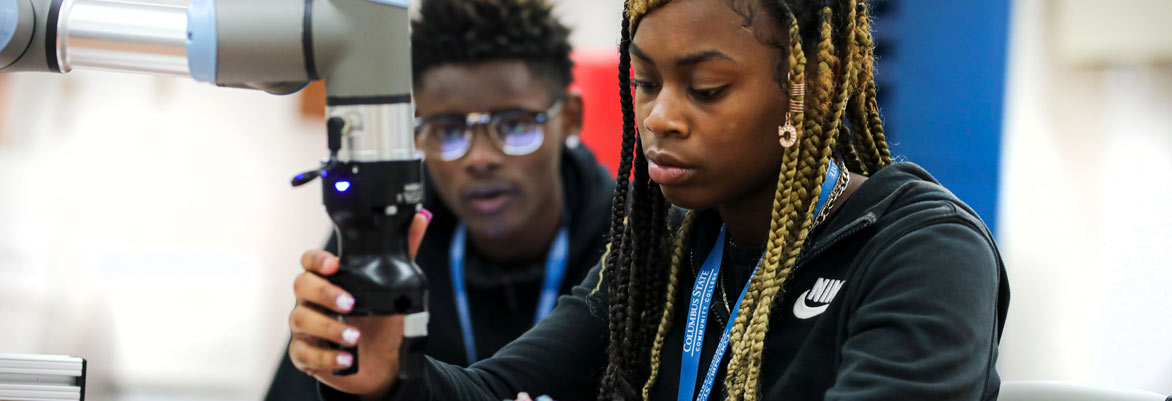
(515, 132)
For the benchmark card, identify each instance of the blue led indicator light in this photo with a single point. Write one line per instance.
(342, 186)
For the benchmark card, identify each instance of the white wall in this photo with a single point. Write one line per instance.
(147, 224)
(1086, 223)
(595, 23)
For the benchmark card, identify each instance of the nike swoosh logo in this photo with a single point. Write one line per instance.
(803, 311)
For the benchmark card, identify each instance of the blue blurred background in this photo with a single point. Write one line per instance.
(941, 80)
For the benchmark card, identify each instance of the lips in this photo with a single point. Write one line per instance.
(488, 199)
(666, 169)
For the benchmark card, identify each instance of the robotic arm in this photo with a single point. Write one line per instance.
(372, 180)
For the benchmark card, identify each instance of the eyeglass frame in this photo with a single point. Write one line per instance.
(485, 119)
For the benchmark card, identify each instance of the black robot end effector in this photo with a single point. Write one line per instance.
(373, 205)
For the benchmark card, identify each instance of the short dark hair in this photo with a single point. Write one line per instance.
(477, 31)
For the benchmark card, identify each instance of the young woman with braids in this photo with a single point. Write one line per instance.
(810, 266)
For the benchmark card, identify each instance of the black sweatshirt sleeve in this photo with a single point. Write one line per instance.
(925, 321)
(562, 356)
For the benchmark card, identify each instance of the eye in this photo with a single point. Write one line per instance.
(513, 126)
(708, 94)
(449, 131)
(645, 86)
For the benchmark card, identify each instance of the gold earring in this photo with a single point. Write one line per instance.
(788, 133)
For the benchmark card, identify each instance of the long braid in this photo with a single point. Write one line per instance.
(796, 63)
(657, 278)
(616, 377)
(618, 229)
(636, 281)
(813, 162)
(874, 138)
(846, 145)
(822, 154)
(640, 286)
(619, 320)
(849, 89)
(637, 262)
(850, 71)
(876, 123)
(682, 238)
(738, 353)
(869, 154)
(811, 136)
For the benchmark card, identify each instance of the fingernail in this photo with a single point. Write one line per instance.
(344, 360)
(351, 336)
(426, 214)
(345, 302)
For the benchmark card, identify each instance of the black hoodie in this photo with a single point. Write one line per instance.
(900, 295)
(502, 300)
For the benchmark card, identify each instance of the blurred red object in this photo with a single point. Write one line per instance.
(596, 78)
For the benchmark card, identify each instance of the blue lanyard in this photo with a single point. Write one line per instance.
(827, 186)
(555, 270)
(702, 299)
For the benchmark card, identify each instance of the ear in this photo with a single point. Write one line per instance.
(572, 109)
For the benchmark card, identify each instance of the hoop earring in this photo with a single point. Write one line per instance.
(788, 134)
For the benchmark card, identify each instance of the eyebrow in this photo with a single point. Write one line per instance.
(689, 60)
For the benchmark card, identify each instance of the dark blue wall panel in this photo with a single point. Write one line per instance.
(941, 79)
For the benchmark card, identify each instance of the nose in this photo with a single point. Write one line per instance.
(666, 115)
(483, 158)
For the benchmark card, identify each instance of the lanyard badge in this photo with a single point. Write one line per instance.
(699, 304)
(555, 271)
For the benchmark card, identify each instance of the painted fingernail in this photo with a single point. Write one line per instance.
(344, 360)
(426, 214)
(351, 336)
(345, 302)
